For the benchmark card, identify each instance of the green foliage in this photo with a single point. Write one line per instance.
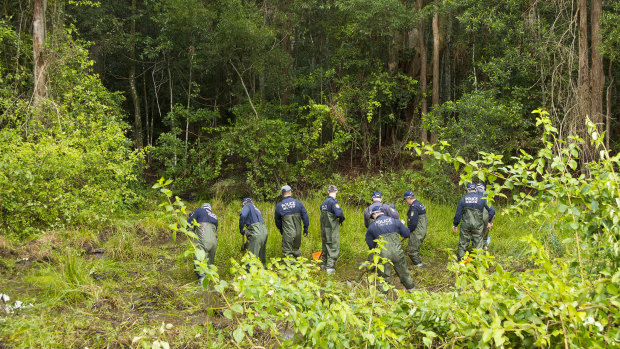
(80, 169)
(479, 121)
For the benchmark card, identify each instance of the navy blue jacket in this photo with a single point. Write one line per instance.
(475, 201)
(384, 207)
(248, 216)
(384, 225)
(331, 205)
(416, 209)
(203, 215)
(290, 205)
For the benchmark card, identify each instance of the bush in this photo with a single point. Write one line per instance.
(80, 168)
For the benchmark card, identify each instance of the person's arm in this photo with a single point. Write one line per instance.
(402, 229)
(391, 211)
(242, 218)
(304, 218)
(414, 217)
(457, 215)
(278, 218)
(370, 238)
(337, 210)
(491, 210)
(191, 218)
(366, 217)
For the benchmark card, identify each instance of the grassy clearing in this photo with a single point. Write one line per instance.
(82, 297)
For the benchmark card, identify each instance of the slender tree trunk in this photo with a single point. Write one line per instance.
(189, 95)
(435, 66)
(137, 119)
(422, 50)
(38, 41)
(597, 74)
(608, 102)
(584, 71)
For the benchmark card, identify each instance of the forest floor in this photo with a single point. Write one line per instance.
(118, 284)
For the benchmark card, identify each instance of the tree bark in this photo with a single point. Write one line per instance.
(422, 50)
(608, 102)
(597, 74)
(435, 99)
(137, 119)
(38, 41)
(584, 71)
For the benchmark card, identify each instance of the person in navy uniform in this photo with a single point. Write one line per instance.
(470, 210)
(390, 230)
(377, 199)
(205, 228)
(331, 218)
(289, 214)
(251, 224)
(417, 221)
(486, 238)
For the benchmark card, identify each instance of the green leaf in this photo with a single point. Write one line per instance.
(237, 308)
(228, 314)
(238, 335)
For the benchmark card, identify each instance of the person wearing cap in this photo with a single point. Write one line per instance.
(331, 217)
(377, 199)
(469, 210)
(486, 238)
(204, 222)
(289, 214)
(416, 222)
(387, 228)
(251, 224)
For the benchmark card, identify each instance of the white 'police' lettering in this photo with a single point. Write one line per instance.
(323, 207)
(471, 200)
(288, 205)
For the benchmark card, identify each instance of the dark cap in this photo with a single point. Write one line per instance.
(247, 200)
(408, 194)
(206, 205)
(376, 209)
(471, 186)
(481, 187)
(377, 195)
(332, 188)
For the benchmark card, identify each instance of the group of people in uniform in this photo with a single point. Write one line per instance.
(382, 221)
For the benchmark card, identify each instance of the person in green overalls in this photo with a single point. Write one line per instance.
(331, 218)
(251, 224)
(289, 213)
(206, 234)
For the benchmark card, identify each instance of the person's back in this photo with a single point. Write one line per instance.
(390, 230)
(289, 214)
(331, 217)
(377, 198)
(251, 224)
(469, 213)
(206, 234)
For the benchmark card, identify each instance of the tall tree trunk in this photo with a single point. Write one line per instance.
(597, 75)
(584, 71)
(137, 117)
(189, 95)
(38, 41)
(608, 102)
(422, 50)
(435, 99)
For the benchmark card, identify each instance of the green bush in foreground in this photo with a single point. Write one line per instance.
(567, 302)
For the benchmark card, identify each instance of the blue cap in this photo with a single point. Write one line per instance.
(247, 200)
(376, 209)
(376, 195)
(481, 187)
(331, 188)
(408, 194)
(286, 188)
(206, 205)
(471, 186)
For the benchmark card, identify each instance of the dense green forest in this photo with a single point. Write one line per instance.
(102, 100)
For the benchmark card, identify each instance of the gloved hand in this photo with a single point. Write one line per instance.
(305, 233)
(340, 220)
(402, 221)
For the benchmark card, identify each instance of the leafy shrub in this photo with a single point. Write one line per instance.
(79, 169)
